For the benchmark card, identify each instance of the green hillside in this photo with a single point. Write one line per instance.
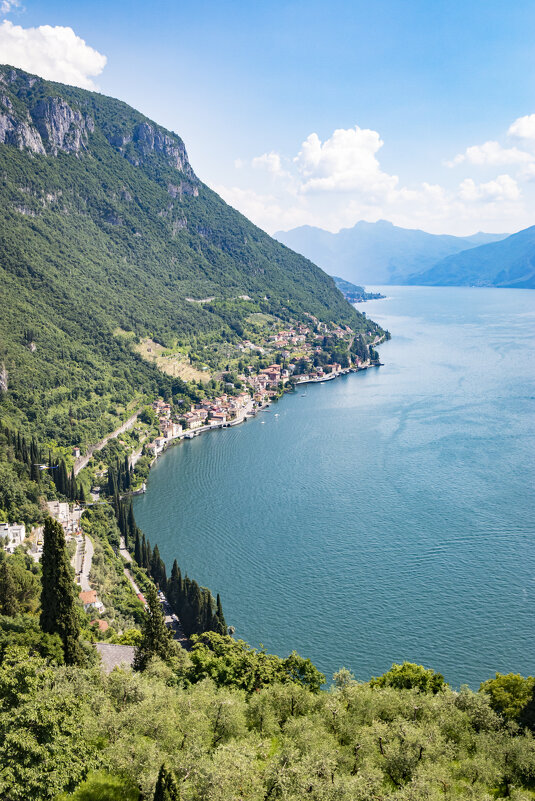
(104, 229)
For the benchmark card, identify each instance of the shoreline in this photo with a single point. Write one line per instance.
(193, 433)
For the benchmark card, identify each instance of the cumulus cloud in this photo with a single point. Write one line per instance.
(346, 162)
(501, 188)
(523, 127)
(491, 154)
(336, 182)
(54, 53)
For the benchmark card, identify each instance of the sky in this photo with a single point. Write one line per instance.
(317, 113)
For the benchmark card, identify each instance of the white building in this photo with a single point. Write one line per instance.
(12, 535)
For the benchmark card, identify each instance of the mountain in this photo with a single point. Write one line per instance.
(508, 263)
(377, 253)
(108, 236)
(354, 293)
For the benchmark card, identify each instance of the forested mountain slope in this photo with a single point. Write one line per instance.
(105, 226)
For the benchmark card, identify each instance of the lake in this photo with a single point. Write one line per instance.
(386, 515)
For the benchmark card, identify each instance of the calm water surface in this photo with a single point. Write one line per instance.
(387, 515)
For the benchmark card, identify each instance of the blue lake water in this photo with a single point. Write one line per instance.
(385, 516)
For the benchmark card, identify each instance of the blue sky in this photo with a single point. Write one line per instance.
(318, 113)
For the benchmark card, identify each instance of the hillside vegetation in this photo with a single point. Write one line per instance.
(104, 226)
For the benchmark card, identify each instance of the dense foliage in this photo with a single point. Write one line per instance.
(63, 728)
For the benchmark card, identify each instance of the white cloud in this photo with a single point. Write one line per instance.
(528, 173)
(7, 6)
(346, 162)
(336, 182)
(491, 154)
(523, 127)
(54, 53)
(270, 162)
(501, 188)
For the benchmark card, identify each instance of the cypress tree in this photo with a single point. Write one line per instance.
(35, 473)
(63, 479)
(8, 593)
(166, 788)
(156, 638)
(131, 522)
(173, 592)
(223, 628)
(58, 613)
(155, 565)
(197, 611)
(72, 486)
(137, 550)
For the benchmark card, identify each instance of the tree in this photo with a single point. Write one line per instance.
(156, 638)
(8, 595)
(409, 676)
(509, 693)
(166, 788)
(58, 613)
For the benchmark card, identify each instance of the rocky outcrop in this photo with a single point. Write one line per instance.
(51, 126)
(149, 138)
(61, 127)
(183, 188)
(18, 132)
(147, 141)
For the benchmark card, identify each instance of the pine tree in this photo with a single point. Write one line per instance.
(8, 593)
(156, 638)
(58, 613)
(166, 788)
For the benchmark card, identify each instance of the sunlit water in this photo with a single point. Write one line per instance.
(385, 516)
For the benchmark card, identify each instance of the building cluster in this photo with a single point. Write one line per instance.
(12, 535)
(68, 516)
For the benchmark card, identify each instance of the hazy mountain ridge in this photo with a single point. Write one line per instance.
(378, 253)
(507, 263)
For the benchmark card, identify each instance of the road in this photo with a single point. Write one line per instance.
(170, 622)
(86, 566)
(82, 560)
(82, 461)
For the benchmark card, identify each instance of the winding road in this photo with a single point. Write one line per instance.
(82, 461)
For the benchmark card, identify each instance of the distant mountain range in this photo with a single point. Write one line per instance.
(508, 263)
(382, 253)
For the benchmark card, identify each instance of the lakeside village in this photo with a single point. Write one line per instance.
(299, 355)
(300, 358)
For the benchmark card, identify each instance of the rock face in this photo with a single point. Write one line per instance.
(18, 132)
(61, 128)
(148, 139)
(51, 126)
